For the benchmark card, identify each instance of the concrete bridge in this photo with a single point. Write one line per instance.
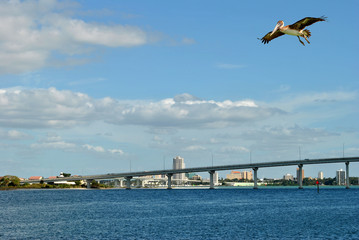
(211, 170)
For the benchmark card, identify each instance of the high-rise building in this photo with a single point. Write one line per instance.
(247, 175)
(178, 163)
(215, 178)
(298, 173)
(340, 177)
(320, 175)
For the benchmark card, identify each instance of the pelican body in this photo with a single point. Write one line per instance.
(296, 29)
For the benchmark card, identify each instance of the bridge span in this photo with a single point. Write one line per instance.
(211, 170)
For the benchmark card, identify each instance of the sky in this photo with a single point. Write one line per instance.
(95, 87)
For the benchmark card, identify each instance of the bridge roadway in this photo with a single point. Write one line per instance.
(211, 169)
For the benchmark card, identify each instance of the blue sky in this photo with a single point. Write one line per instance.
(90, 86)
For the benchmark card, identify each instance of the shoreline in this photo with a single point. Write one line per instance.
(186, 188)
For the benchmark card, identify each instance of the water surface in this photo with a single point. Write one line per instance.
(267, 213)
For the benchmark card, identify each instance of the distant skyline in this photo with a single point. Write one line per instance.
(92, 87)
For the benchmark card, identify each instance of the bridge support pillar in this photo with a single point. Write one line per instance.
(169, 178)
(88, 183)
(300, 176)
(255, 178)
(347, 183)
(128, 182)
(211, 179)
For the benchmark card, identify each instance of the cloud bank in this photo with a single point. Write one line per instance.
(31, 32)
(51, 108)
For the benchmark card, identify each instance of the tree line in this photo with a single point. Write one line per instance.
(9, 182)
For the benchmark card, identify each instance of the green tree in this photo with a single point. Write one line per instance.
(307, 181)
(354, 180)
(10, 181)
(78, 183)
(95, 184)
(329, 181)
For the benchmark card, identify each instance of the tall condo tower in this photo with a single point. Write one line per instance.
(320, 175)
(178, 163)
(215, 177)
(341, 177)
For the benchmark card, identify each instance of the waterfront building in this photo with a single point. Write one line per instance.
(215, 178)
(65, 182)
(340, 177)
(320, 175)
(234, 175)
(288, 177)
(35, 178)
(147, 176)
(196, 177)
(178, 163)
(161, 176)
(239, 175)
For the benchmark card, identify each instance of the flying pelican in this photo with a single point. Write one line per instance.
(296, 29)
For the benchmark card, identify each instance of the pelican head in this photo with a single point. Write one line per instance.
(279, 25)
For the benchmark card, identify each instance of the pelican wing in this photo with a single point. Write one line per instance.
(268, 37)
(301, 24)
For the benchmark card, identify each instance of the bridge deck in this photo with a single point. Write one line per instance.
(205, 169)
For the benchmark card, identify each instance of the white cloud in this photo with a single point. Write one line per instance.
(31, 31)
(53, 141)
(79, 31)
(51, 108)
(94, 148)
(194, 148)
(234, 149)
(44, 108)
(192, 113)
(53, 145)
(13, 135)
(116, 151)
(100, 149)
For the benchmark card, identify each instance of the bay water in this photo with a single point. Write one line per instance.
(223, 213)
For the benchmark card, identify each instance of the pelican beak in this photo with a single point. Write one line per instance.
(276, 28)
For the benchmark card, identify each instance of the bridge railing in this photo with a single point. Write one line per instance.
(203, 169)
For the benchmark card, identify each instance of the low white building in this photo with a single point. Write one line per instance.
(288, 177)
